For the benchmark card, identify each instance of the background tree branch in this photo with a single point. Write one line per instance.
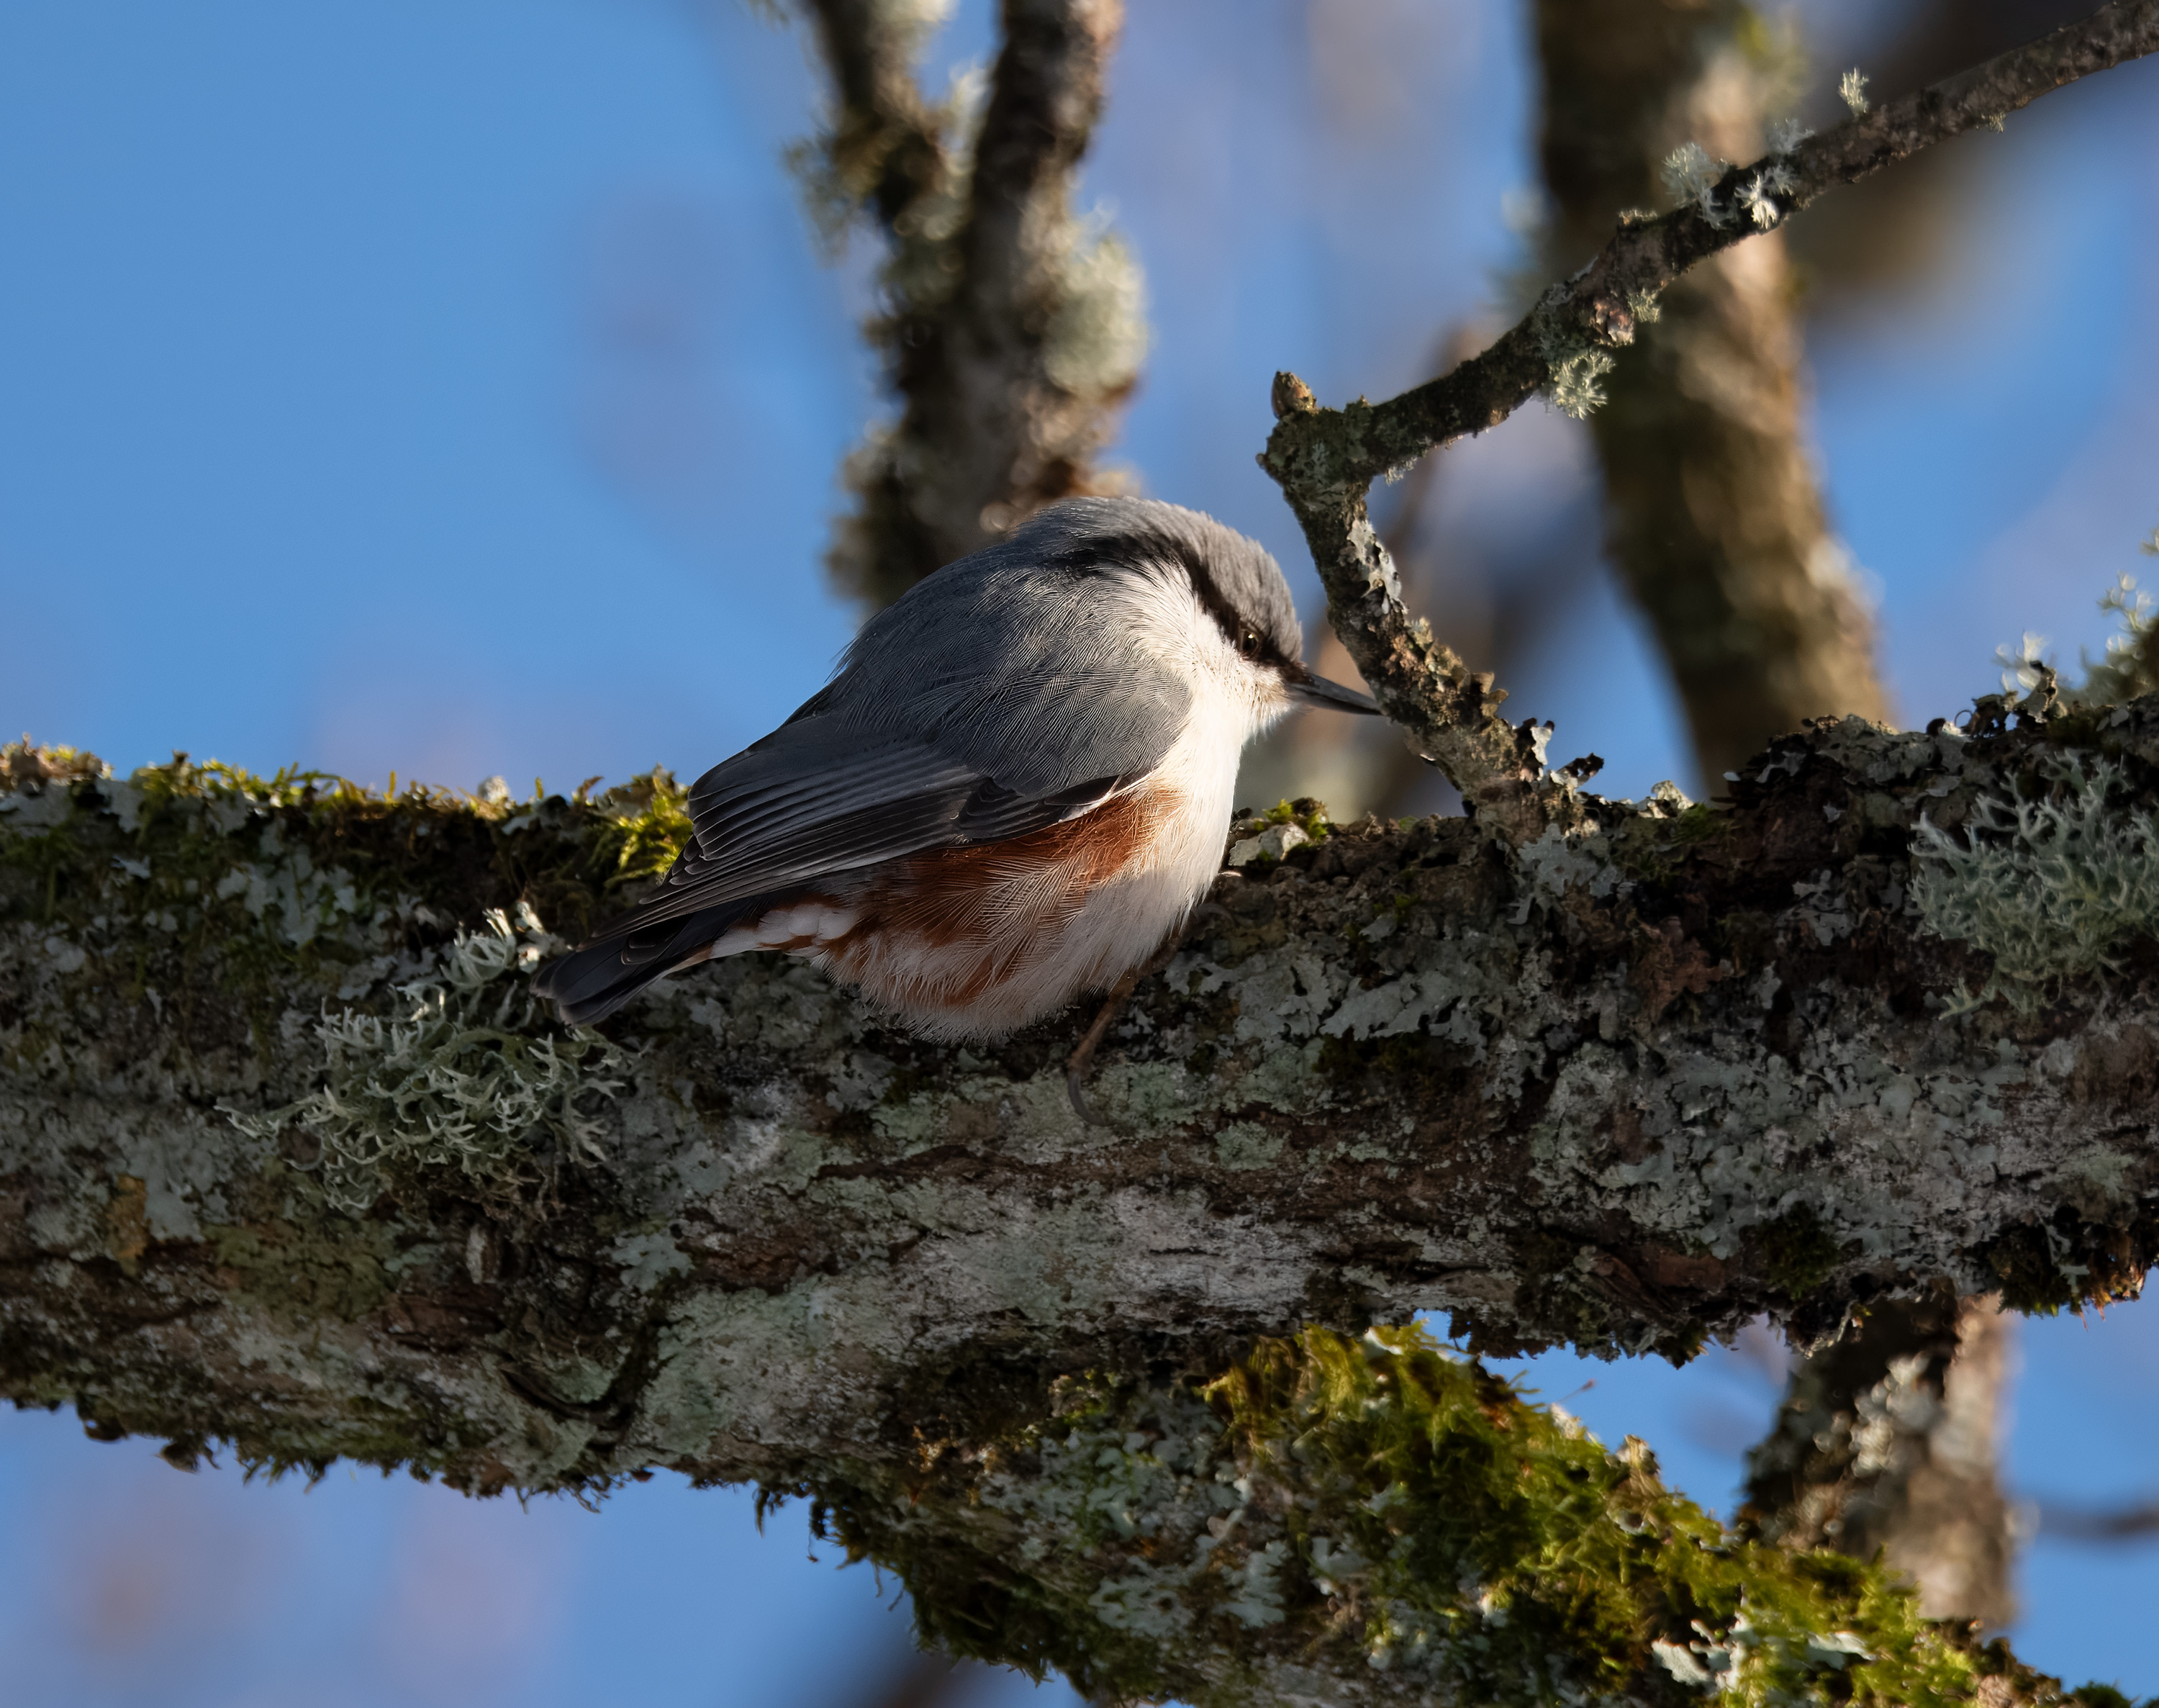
(1011, 327)
(1712, 512)
(1885, 1442)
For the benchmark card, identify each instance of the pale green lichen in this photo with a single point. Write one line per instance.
(2123, 672)
(1574, 367)
(1690, 175)
(2050, 884)
(456, 1078)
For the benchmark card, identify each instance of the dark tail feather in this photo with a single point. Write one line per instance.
(591, 982)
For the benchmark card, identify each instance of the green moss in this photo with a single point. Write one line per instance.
(1308, 814)
(1333, 1508)
(645, 825)
(298, 1271)
(1795, 1252)
(1698, 824)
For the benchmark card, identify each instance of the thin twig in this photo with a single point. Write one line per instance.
(2062, 1521)
(1325, 459)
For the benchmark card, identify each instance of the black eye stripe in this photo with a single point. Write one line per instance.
(1235, 629)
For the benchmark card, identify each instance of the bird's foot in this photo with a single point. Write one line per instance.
(1080, 1064)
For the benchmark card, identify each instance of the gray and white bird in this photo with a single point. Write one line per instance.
(1012, 792)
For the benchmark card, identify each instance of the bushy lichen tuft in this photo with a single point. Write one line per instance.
(1690, 175)
(2130, 667)
(457, 1079)
(2049, 884)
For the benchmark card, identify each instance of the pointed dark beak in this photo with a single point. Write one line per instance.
(1308, 690)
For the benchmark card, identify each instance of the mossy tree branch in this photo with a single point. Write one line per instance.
(1630, 1088)
(1325, 459)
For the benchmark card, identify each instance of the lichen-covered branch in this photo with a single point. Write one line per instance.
(1333, 1520)
(286, 1162)
(1011, 328)
(1325, 459)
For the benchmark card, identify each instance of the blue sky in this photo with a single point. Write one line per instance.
(453, 388)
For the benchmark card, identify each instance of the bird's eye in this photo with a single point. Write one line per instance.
(1247, 642)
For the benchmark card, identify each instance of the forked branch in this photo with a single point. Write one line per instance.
(1325, 459)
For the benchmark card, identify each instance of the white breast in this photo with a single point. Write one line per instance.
(1126, 920)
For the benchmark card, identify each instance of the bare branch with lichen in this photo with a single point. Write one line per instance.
(1011, 324)
(1324, 459)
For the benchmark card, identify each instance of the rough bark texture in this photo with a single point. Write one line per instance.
(1325, 460)
(1714, 520)
(1010, 329)
(1624, 1087)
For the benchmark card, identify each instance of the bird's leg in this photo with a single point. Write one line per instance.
(1080, 1064)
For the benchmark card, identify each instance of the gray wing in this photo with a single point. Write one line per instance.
(804, 804)
(808, 802)
(1001, 695)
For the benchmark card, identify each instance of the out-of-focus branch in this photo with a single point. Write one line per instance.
(1711, 505)
(1325, 459)
(2065, 1521)
(925, 1678)
(1885, 1440)
(1010, 330)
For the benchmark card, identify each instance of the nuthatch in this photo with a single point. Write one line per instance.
(1012, 791)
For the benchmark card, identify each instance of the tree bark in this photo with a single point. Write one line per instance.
(1719, 532)
(1624, 1087)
